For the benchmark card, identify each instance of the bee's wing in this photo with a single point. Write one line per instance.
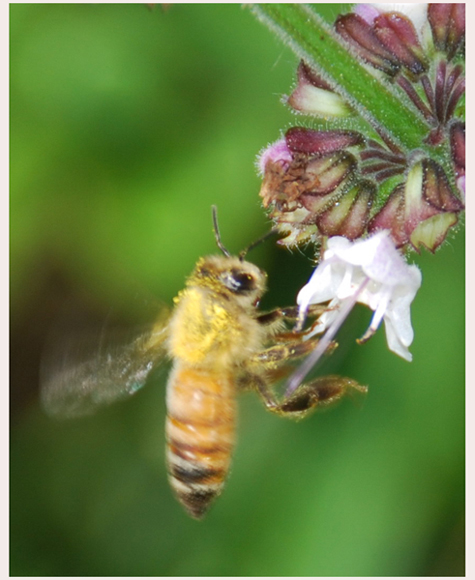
(72, 386)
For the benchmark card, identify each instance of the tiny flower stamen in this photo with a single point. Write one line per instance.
(376, 320)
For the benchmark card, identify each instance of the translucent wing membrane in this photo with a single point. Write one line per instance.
(75, 382)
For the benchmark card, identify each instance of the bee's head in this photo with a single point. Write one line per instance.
(231, 277)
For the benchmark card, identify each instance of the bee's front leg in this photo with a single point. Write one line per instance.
(290, 314)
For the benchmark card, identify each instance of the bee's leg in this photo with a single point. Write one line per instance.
(271, 361)
(317, 393)
(291, 314)
(277, 354)
(320, 392)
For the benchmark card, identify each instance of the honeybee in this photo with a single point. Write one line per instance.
(219, 343)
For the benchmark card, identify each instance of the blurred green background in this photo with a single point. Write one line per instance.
(127, 123)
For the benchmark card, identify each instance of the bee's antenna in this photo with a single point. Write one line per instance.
(217, 236)
(257, 242)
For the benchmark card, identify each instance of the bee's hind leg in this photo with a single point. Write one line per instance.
(320, 392)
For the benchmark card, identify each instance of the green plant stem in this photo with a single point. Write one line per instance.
(313, 40)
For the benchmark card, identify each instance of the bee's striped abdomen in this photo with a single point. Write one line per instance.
(200, 435)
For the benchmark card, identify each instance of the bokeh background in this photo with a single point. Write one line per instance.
(127, 123)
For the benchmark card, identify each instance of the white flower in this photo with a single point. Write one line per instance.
(371, 272)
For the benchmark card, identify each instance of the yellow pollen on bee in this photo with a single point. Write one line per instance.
(201, 328)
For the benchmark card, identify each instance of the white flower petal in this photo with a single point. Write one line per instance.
(322, 286)
(375, 274)
(400, 317)
(394, 340)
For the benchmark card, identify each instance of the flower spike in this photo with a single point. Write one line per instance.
(382, 171)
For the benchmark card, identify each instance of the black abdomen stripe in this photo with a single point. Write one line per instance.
(195, 484)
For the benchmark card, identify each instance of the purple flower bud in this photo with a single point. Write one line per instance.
(397, 33)
(457, 144)
(447, 22)
(320, 143)
(331, 171)
(422, 210)
(391, 218)
(349, 217)
(361, 35)
(308, 75)
(437, 191)
(387, 40)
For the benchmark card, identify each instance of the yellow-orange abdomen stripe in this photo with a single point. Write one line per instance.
(200, 435)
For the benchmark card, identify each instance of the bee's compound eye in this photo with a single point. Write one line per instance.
(239, 282)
